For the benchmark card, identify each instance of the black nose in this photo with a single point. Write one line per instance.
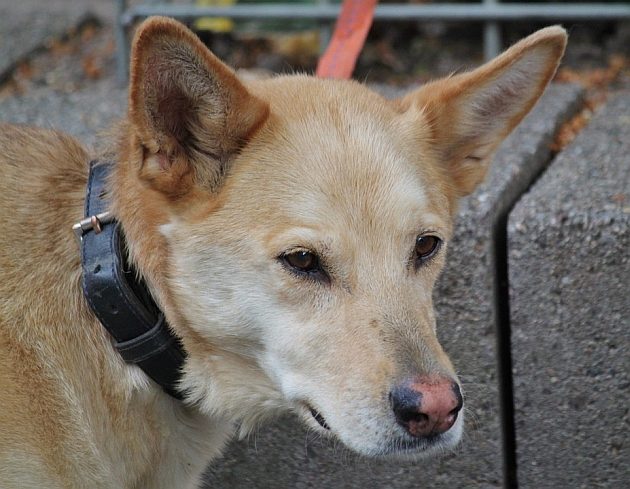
(426, 406)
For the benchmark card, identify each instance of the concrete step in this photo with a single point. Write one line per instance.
(569, 262)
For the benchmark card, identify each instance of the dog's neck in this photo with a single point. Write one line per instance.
(118, 296)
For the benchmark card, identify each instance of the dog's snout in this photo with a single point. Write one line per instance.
(426, 406)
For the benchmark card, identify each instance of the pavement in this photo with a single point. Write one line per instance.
(53, 99)
(579, 201)
(84, 114)
(27, 26)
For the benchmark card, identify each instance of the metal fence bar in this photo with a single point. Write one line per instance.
(394, 12)
(122, 43)
(491, 35)
(487, 12)
(325, 29)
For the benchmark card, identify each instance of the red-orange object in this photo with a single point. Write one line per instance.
(348, 38)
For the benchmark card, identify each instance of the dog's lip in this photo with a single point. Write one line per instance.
(309, 412)
(319, 418)
(416, 446)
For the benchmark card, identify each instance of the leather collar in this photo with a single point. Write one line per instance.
(118, 296)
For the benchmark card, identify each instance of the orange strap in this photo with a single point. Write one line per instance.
(347, 41)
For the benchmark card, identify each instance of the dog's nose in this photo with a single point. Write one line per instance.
(426, 406)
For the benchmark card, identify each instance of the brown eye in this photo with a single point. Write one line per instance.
(303, 261)
(305, 264)
(426, 246)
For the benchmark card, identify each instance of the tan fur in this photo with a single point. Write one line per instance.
(214, 180)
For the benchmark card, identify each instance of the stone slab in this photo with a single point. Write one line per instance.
(569, 261)
(285, 456)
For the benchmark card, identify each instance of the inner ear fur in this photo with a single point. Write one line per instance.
(470, 114)
(188, 110)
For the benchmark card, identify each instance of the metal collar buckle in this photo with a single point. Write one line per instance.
(92, 223)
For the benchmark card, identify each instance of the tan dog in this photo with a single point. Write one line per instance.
(291, 231)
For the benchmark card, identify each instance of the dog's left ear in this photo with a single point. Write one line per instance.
(470, 114)
(189, 111)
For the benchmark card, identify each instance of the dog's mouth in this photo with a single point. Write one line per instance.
(319, 418)
(388, 440)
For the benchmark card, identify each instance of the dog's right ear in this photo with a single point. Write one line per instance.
(188, 110)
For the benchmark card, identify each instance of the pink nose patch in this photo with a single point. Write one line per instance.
(427, 406)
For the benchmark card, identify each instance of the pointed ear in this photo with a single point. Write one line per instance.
(188, 110)
(470, 114)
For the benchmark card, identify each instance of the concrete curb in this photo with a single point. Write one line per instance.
(569, 273)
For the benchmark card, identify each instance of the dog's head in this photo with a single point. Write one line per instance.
(292, 229)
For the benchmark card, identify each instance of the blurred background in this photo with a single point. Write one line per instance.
(400, 52)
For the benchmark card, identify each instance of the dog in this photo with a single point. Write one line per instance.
(290, 232)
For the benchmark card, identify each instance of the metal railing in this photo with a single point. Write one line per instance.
(490, 12)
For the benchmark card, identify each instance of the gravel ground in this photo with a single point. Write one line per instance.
(57, 65)
(82, 113)
(44, 28)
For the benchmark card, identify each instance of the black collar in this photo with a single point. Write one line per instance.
(117, 295)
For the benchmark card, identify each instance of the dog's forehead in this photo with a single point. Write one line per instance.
(342, 151)
(354, 171)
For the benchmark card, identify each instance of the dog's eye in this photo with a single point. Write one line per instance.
(426, 247)
(304, 262)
